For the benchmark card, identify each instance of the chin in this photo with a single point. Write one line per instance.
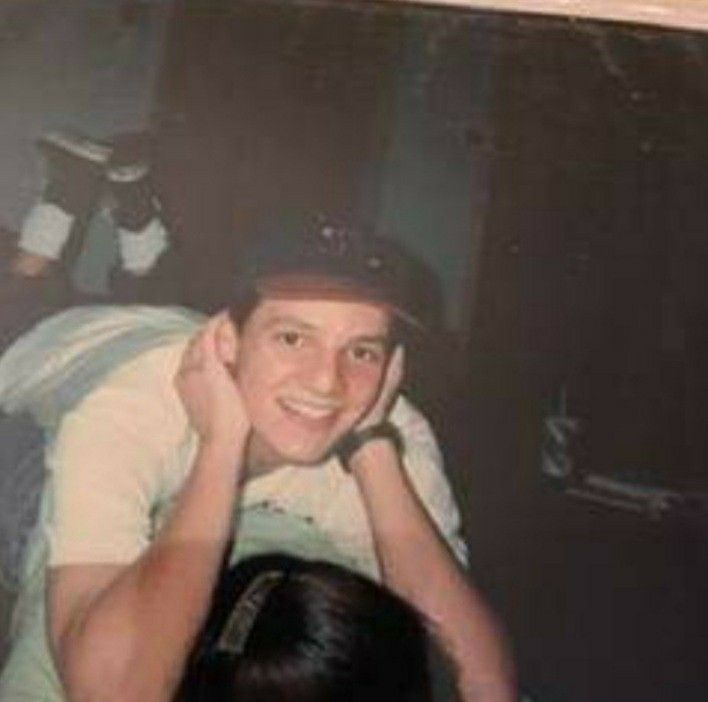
(278, 452)
(304, 456)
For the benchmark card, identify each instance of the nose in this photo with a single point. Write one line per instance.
(324, 373)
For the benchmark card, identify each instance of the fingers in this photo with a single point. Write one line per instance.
(393, 376)
(226, 339)
(192, 356)
(216, 341)
(197, 350)
(205, 386)
(395, 370)
(392, 380)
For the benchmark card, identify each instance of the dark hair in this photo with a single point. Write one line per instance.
(320, 634)
(242, 306)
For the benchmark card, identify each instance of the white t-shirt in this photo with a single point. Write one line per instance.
(117, 463)
(122, 455)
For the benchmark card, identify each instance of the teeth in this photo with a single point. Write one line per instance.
(313, 410)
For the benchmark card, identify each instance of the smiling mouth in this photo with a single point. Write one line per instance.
(316, 411)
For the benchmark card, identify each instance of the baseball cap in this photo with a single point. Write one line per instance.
(323, 258)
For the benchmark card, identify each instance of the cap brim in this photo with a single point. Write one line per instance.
(299, 286)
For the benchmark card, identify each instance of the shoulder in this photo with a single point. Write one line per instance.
(424, 464)
(117, 455)
(134, 410)
(148, 378)
(422, 456)
(414, 427)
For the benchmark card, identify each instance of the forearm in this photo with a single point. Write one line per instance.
(418, 565)
(131, 640)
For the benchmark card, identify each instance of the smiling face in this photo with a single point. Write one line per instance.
(308, 370)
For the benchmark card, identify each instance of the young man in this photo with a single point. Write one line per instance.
(283, 410)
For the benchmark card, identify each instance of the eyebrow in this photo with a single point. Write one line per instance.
(378, 339)
(382, 339)
(287, 319)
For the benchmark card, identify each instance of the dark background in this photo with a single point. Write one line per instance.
(552, 172)
(583, 147)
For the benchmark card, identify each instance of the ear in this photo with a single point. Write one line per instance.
(226, 338)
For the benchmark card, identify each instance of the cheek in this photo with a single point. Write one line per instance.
(363, 386)
(254, 373)
(261, 376)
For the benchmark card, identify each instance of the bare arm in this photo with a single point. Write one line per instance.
(123, 633)
(417, 564)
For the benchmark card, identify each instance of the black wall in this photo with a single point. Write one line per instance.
(589, 277)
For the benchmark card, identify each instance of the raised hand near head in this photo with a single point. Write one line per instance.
(207, 388)
(390, 385)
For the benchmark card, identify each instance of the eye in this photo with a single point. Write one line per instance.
(366, 354)
(290, 338)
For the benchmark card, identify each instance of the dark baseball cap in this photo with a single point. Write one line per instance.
(323, 258)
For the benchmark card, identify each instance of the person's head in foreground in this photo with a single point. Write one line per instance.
(282, 628)
(318, 310)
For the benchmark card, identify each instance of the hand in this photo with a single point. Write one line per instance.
(207, 389)
(393, 376)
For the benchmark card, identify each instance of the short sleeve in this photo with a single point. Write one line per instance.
(424, 464)
(114, 458)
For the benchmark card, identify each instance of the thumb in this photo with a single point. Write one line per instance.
(390, 386)
(394, 372)
(225, 338)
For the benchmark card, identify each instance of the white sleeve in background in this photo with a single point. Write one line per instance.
(45, 230)
(140, 250)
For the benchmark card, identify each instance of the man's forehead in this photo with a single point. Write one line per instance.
(353, 318)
